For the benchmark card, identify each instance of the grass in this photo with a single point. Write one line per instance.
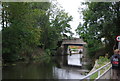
(100, 62)
(94, 75)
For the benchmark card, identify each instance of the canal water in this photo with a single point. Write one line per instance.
(60, 67)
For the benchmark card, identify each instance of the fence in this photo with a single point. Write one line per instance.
(103, 72)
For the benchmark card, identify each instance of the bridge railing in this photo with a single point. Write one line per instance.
(99, 72)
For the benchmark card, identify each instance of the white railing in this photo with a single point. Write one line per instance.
(99, 74)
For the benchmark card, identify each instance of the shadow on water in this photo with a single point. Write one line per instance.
(58, 68)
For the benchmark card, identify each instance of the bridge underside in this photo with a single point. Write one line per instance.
(66, 46)
(73, 44)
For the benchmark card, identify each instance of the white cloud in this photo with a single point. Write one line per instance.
(71, 6)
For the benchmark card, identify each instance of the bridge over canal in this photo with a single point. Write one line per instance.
(106, 75)
(73, 42)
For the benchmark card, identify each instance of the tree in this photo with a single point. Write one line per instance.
(28, 25)
(19, 36)
(57, 24)
(101, 20)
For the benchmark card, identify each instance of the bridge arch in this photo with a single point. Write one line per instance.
(72, 42)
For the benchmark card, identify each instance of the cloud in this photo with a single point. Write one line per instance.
(71, 7)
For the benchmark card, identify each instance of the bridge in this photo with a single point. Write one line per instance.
(103, 73)
(72, 42)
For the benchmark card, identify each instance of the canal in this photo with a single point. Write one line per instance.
(59, 67)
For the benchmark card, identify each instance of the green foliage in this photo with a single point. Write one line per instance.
(100, 62)
(19, 36)
(103, 60)
(25, 26)
(56, 24)
(94, 76)
(48, 52)
(101, 20)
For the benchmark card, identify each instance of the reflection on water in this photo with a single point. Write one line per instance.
(74, 60)
(57, 69)
(65, 73)
(25, 71)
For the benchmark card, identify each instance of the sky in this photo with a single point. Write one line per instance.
(71, 6)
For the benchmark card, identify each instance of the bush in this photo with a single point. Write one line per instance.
(103, 60)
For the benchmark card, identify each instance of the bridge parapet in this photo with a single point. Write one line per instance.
(73, 41)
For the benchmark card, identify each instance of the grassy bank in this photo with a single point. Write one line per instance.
(99, 63)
